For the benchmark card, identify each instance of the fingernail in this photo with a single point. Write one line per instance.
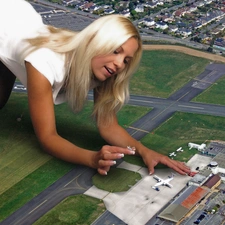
(133, 152)
(105, 173)
(129, 148)
(121, 155)
(113, 162)
(150, 173)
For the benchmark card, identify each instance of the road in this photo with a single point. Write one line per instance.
(79, 179)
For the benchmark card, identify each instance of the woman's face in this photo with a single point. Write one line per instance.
(105, 66)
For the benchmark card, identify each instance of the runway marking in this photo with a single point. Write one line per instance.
(141, 100)
(183, 96)
(38, 206)
(170, 105)
(75, 179)
(194, 107)
(82, 188)
(204, 81)
(72, 180)
(134, 128)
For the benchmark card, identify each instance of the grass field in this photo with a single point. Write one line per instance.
(78, 209)
(160, 74)
(112, 182)
(217, 89)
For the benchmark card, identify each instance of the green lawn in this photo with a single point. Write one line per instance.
(80, 210)
(217, 89)
(162, 72)
(30, 186)
(112, 182)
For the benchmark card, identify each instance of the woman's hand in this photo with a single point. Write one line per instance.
(106, 157)
(152, 158)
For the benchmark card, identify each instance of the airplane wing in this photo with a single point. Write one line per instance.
(169, 185)
(157, 178)
(166, 182)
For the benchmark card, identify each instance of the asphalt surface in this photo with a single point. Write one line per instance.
(78, 180)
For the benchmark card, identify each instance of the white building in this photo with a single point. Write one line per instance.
(197, 146)
(139, 8)
(149, 22)
(217, 166)
(161, 25)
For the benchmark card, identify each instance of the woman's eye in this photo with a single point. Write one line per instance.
(116, 52)
(127, 60)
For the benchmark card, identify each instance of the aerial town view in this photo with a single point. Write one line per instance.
(176, 107)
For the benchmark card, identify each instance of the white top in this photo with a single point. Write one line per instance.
(18, 21)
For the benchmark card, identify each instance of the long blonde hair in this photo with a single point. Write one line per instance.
(101, 37)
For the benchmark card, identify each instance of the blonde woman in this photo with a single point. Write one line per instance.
(58, 65)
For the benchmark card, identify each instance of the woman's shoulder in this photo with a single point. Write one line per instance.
(49, 63)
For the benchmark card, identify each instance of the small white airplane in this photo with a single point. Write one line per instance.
(162, 182)
(172, 154)
(180, 149)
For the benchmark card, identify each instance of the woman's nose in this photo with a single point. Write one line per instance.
(119, 62)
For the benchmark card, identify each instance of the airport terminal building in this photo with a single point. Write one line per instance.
(199, 191)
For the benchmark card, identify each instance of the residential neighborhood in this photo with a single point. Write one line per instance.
(200, 21)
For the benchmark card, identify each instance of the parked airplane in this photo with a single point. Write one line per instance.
(162, 182)
(180, 149)
(172, 154)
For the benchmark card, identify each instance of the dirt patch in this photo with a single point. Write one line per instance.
(186, 50)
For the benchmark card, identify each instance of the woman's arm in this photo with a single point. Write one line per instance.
(115, 135)
(43, 118)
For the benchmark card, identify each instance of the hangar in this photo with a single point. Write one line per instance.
(184, 203)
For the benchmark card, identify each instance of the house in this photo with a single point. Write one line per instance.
(192, 8)
(139, 8)
(109, 11)
(200, 4)
(87, 6)
(69, 2)
(219, 45)
(167, 18)
(197, 25)
(151, 5)
(207, 2)
(173, 28)
(94, 8)
(125, 13)
(184, 32)
(161, 25)
(149, 22)
(179, 13)
(124, 4)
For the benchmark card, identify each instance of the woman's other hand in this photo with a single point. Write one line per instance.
(107, 156)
